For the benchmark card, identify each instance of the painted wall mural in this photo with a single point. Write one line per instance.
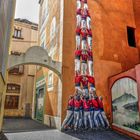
(125, 104)
(85, 109)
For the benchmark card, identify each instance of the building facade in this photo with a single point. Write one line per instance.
(115, 27)
(20, 83)
(48, 85)
(7, 10)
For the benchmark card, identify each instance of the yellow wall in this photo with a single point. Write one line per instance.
(25, 80)
(7, 10)
(51, 43)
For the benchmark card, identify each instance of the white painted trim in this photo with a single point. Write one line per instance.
(52, 87)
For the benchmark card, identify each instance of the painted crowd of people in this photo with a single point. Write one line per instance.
(84, 112)
(85, 108)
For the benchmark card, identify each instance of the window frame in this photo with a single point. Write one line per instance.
(50, 86)
(131, 38)
(17, 33)
(10, 90)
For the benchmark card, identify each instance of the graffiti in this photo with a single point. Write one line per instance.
(125, 104)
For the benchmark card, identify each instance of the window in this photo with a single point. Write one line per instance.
(41, 93)
(44, 10)
(53, 28)
(50, 81)
(13, 88)
(11, 102)
(17, 33)
(131, 36)
(43, 40)
(17, 70)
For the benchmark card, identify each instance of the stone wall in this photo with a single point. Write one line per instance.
(52, 38)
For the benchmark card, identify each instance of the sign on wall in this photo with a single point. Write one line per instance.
(125, 104)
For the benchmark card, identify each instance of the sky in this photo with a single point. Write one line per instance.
(28, 9)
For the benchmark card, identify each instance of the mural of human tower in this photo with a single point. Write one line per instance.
(85, 108)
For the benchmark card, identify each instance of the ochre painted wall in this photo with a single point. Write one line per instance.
(112, 54)
(136, 6)
(52, 43)
(68, 52)
(25, 80)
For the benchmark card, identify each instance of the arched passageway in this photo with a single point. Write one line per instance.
(35, 56)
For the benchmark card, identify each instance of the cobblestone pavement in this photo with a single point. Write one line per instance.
(20, 125)
(57, 135)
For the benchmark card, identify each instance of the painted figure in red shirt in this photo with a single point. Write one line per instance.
(91, 80)
(84, 58)
(84, 34)
(84, 19)
(77, 60)
(78, 38)
(85, 4)
(79, 17)
(102, 111)
(88, 21)
(70, 113)
(89, 38)
(87, 116)
(78, 79)
(77, 105)
(90, 62)
(79, 4)
(97, 114)
(84, 82)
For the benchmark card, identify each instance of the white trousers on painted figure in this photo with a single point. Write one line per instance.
(80, 119)
(89, 41)
(79, 4)
(83, 68)
(88, 23)
(68, 119)
(78, 17)
(92, 89)
(84, 44)
(87, 117)
(96, 116)
(79, 88)
(90, 67)
(85, 91)
(105, 118)
(85, 6)
(76, 118)
(83, 23)
(78, 41)
(77, 65)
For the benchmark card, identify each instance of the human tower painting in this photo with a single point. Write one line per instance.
(85, 108)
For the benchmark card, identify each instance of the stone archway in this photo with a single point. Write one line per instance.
(39, 56)
(35, 56)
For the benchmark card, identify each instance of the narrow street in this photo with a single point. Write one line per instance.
(57, 135)
(14, 125)
(27, 129)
